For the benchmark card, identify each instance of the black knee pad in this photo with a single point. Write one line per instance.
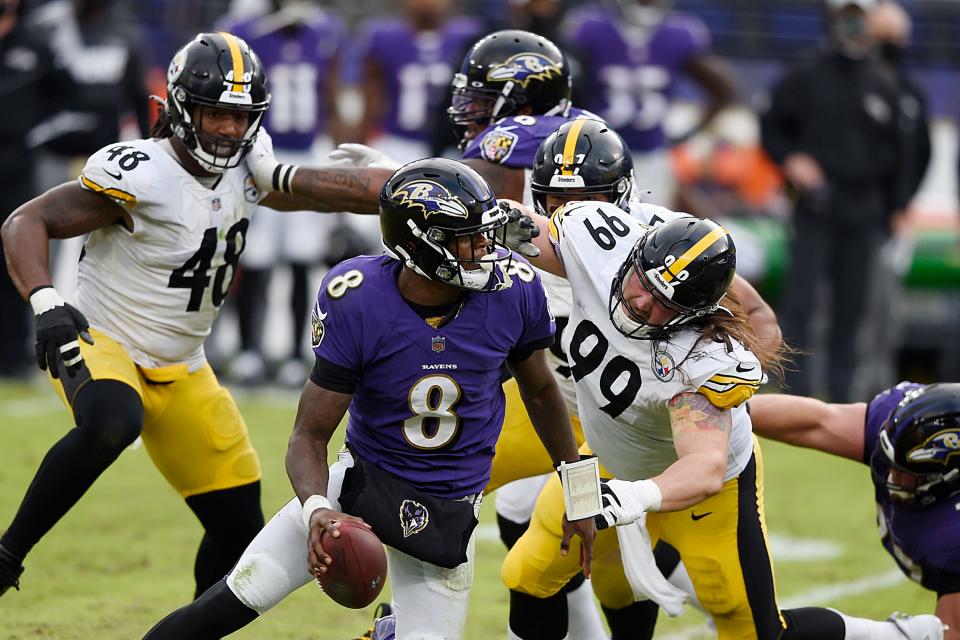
(812, 623)
(510, 531)
(109, 414)
(233, 513)
(533, 618)
(634, 622)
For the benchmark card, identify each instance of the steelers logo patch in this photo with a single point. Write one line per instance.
(663, 366)
(497, 145)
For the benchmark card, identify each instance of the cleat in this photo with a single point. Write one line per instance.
(10, 570)
(384, 624)
(920, 627)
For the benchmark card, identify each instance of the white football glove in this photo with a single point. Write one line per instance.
(521, 229)
(268, 173)
(624, 502)
(350, 154)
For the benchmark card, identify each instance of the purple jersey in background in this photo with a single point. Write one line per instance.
(513, 141)
(924, 542)
(429, 405)
(628, 72)
(417, 68)
(298, 62)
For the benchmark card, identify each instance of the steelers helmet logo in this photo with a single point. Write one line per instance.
(521, 68)
(430, 198)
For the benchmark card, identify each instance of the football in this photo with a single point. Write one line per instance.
(359, 566)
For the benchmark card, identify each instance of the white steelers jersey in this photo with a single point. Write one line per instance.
(158, 289)
(622, 384)
(559, 300)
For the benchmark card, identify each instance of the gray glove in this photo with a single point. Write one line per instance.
(521, 229)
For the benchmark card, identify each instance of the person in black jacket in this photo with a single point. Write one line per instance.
(31, 81)
(880, 340)
(832, 126)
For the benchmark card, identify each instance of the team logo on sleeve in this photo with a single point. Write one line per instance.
(497, 145)
(414, 517)
(431, 198)
(663, 366)
(250, 190)
(317, 330)
(524, 67)
(937, 448)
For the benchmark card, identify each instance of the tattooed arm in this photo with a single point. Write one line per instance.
(700, 435)
(332, 189)
(66, 211)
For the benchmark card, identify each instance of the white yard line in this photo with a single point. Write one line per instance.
(32, 406)
(785, 548)
(818, 596)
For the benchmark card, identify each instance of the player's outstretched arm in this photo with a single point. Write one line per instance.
(761, 315)
(330, 189)
(327, 189)
(318, 415)
(548, 413)
(810, 423)
(65, 211)
(528, 233)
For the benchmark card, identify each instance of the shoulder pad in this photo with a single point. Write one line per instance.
(122, 171)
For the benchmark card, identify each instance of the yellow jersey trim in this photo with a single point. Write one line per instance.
(116, 194)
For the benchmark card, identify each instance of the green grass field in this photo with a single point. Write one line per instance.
(123, 557)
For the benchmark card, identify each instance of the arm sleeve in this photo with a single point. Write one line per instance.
(334, 377)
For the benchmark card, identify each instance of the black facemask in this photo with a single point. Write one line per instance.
(892, 53)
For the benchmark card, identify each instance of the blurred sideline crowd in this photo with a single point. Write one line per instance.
(830, 219)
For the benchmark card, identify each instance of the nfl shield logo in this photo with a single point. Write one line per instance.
(216, 204)
(438, 344)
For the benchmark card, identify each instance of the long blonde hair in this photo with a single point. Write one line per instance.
(735, 325)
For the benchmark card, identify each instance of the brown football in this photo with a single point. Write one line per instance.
(359, 566)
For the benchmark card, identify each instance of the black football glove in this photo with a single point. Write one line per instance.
(521, 229)
(58, 332)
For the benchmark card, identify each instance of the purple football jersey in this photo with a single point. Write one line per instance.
(428, 406)
(632, 72)
(298, 63)
(417, 68)
(513, 141)
(924, 542)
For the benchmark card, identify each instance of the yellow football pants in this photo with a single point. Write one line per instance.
(722, 541)
(192, 428)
